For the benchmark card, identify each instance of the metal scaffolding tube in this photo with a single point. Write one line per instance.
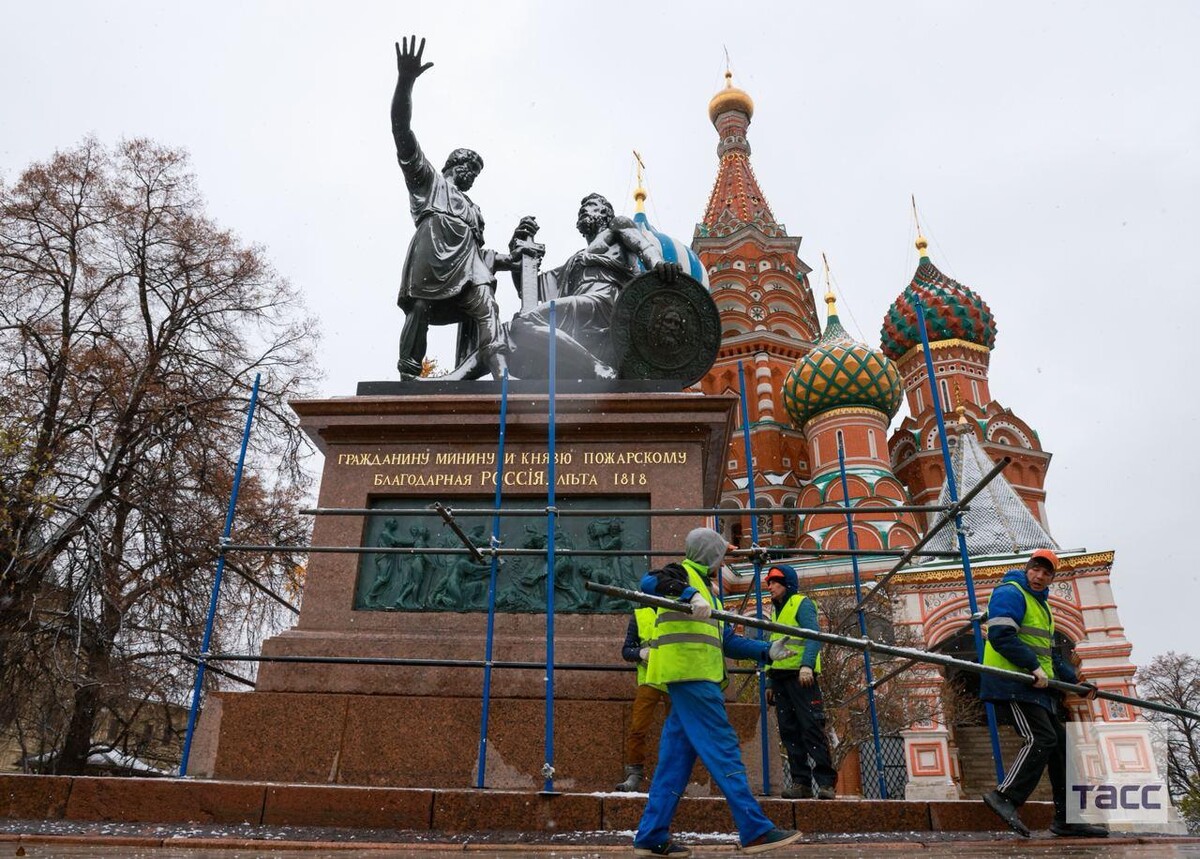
(493, 573)
(551, 525)
(416, 662)
(893, 650)
(616, 511)
(198, 685)
(758, 606)
(852, 538)
(220, 672)
(952, 491)
(748, 554)
(253, 582)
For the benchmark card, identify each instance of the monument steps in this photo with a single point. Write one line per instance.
(202, 801)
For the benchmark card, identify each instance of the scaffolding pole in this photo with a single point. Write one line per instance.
(748, 554)
(493, 573)
(892, 650)
(715, 512)
(952, 489)
(551, 524)
(862, 621)
(758, 606)
(197, 686)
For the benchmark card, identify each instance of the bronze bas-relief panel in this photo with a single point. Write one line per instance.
(455, 582)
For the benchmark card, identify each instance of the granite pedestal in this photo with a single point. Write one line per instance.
(408, 446)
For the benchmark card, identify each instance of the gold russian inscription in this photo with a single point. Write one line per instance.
(407, 479)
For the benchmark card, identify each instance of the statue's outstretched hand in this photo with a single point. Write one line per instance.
(667, 271)
(408, 59)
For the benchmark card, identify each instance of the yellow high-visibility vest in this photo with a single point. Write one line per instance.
(787, 616)
(1036, 630)
(645, 627)
(684, 647)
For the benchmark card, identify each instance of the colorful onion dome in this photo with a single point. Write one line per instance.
(730, 98)
(672, 250)
(839, 372)
(952, 311)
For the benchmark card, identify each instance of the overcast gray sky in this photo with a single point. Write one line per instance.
(1053, 149)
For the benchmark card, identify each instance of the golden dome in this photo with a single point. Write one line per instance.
(730, 98)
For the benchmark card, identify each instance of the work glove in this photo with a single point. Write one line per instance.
(1041, 681)
(781, 648)
(701, 610)
(1091, 687)
(806, 677)
(770, 695)
(644, 654)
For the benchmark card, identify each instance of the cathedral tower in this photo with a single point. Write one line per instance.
(768, 321)
(961, 333)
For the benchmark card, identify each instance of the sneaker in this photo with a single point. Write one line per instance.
(826, 792)
(1006, 811)
(1077, 830)
(771, 840)
(667, 848)
(797, 792)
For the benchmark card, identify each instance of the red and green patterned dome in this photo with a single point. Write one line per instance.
(839, 372)
(952, 312)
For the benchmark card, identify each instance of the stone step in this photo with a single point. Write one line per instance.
(138, 800)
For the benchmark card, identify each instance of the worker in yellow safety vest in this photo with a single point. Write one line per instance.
(645, 702)
(795, 689)
(1020, 637)
(687, 658)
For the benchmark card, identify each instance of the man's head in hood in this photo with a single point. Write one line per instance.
(782, 582)
(706, 547)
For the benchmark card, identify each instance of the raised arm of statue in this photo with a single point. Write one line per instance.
(408, 67)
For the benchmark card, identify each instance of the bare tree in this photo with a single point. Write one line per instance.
(1174, 679)
(843, 680)
(131, 329)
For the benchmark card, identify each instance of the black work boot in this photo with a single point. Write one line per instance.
(1006, 811)
(634, 773)
(1077, 830)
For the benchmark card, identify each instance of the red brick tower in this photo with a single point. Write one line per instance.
(768, 321)
(962, 333)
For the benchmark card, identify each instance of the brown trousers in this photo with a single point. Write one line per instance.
(645, 703)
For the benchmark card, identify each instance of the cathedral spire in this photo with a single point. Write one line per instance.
(736, 199)
(639, 194)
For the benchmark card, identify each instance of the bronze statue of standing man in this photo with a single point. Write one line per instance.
(448, 276)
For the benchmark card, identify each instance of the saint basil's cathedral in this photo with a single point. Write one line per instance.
(810, 391)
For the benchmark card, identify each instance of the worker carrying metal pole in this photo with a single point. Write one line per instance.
(1086, 690)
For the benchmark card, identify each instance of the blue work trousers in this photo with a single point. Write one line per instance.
(698, 725)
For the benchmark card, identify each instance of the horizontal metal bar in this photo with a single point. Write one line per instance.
(487, 551)
(619, 511)
(872, 646)
(429, 663)
(187, 657)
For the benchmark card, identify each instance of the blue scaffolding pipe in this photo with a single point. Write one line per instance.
(551, 526)
(758, 606)
(952, 488)
(492, 575)
(862, 621)
(197, 686)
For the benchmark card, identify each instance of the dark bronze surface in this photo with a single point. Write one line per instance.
(402, 582)
(666, 330)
